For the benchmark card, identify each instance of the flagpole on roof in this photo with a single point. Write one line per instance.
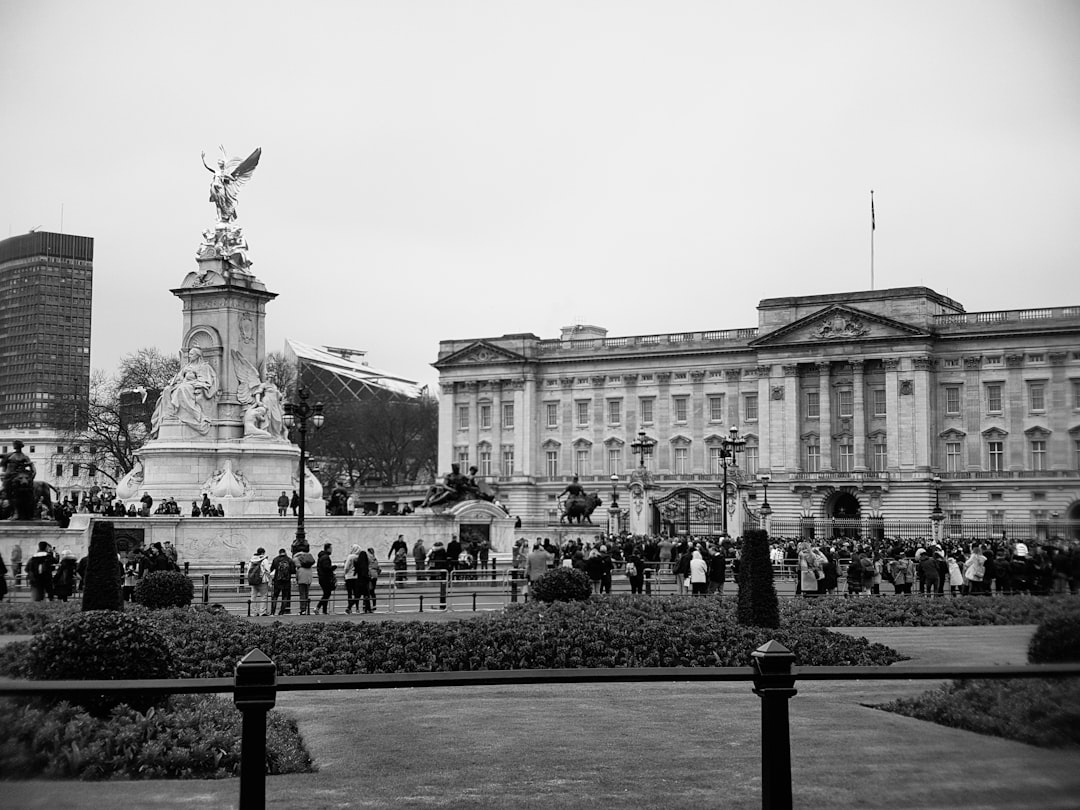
(873, 226)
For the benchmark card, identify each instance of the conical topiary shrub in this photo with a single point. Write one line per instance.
(758, 603)
(104, 576)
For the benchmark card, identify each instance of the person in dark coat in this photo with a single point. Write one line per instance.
(324, 568)
(65, 576)
(717, 572)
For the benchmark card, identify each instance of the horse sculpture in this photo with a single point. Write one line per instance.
(20, 496)
(580, 508)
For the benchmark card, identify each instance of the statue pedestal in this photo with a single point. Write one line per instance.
(246, 477)
(224, 319)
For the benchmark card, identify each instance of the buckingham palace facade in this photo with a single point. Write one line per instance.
(869, 411)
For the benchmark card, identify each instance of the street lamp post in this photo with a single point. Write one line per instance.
(728, 448)
(641, 447)
(765, 509)
(937, 517)
(614, 491)
(297, 415)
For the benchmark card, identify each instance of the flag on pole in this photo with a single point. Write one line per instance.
(873, 224)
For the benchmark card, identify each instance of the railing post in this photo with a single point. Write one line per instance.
(206, 589)
(648, 581)
(255, 693)
(442, 590)
(494, 565)
(513, 587)
(774, 684)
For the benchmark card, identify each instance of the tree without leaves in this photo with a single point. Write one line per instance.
(146, 368)
(281, 372)
(389, 441)
(111, 426)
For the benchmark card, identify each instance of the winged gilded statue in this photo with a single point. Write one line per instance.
(230, 174)
(261, 399)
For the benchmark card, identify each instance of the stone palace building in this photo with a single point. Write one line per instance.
(863, 413)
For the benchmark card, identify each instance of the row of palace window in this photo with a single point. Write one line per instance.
(680, 409)
(996, 459)
(583, 462)
(994, 400)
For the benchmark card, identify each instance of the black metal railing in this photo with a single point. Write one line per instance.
(773, 674)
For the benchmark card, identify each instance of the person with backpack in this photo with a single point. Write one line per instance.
(258, 578)
(281, 573)
(305, 574)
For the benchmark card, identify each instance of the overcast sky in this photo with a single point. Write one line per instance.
(436, 170)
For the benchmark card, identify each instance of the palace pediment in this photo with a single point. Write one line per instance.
(480, 353)
(838, 324)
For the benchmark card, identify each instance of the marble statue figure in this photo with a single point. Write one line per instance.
(185, 394)
(263, 416)
(230, 174)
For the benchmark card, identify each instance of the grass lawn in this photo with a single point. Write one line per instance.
(631, 746)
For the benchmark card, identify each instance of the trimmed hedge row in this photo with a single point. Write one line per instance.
(618, 632)
(917, 611)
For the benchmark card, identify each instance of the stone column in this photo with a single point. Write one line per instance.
(858, 422)
(770, 421)
(447, 406)
(566, 426)
(1058, 390)
(1014, 401)
(662, 448)
(921, 373)
(825, 409)
(791, 417)
(698, 404)
(496, 427)
(472, 389)
(892, 413)
(973, 412)
(525, 426)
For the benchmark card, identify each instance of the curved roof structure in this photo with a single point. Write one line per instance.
(343, 372)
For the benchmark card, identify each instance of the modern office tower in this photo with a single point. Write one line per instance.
(46, 284)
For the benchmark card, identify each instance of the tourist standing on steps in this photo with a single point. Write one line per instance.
(325, 568)
(294, 503)
(282, 504)
(258, 577)
(305, 573)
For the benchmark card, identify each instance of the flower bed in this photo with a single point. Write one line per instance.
(192, 737)
(1037, 711)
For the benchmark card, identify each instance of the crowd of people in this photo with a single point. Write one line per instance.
(932, 569)
(60, 575)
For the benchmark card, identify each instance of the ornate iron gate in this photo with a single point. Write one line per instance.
(690, 511)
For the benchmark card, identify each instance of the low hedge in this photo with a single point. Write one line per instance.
(101, 645)
(1056, 641)
(164, 589)
(561, 585)
(193, 737)
(918, 611)
(27, 618)
(1037, 711)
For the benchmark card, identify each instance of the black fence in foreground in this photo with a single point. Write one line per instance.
(773, 674)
